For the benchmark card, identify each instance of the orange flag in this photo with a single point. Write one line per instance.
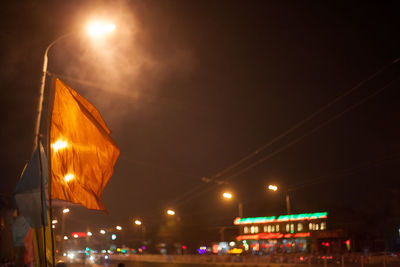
(82, 152)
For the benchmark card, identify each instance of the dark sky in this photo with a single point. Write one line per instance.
(190, 87)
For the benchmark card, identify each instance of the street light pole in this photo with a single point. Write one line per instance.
(41, 90)
(288, 203)
(240, 208)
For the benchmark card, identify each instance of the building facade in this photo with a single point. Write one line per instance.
(305, 232)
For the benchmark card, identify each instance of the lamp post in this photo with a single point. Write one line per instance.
(228, 195)
(95, 29)
(275, 188)
(99, 29)
(139, 223)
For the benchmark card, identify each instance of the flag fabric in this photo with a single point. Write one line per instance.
(20, 228)
(29, 255)
(83, 154)
(27, 193)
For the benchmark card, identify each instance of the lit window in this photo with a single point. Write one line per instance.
(277, 227)
(273, 228)
(292, 228)
(310, 226)
(265, 228)
(252, 230)
(269, 228)
(287, 227)
(256, 229)
(246, 230)
(323, 226)
(299, 227)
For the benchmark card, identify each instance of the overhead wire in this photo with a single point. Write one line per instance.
(308, 118)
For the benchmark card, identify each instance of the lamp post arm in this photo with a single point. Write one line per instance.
(41, 90)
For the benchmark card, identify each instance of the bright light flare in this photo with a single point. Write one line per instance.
(65, 237)
(113, 236)
(59, 144)
(138, 222)
(99, 28)
(66, 210)
(75, 235)
(119, 228)
(272, 187)
(227, 195)
(170, 212)
(89, 233)
(54, 221)
(69, 177)
(103, 232)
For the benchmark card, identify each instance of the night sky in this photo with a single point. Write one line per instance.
(190, 87)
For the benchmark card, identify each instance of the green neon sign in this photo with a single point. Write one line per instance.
(281, 218)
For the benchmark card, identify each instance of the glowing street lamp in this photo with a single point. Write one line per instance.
(89, 234)
(66, 210)
(228, 195)
(138, 222)
(65, 237)
(54, 221)
(119, 228)
(99, 28)
(103, 232)
(170, 212)
(95, 29)
(272, 187)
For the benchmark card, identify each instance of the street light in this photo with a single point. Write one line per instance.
(95, 29)
(66, 210)
(274, 188)
(98, 28)
(171, 212)
(103, 232)
(89, 234)
(119, 228)
(138, 222)
(228, 195)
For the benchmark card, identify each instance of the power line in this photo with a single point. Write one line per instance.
(321, 125)
(302, 122)
(333, 118)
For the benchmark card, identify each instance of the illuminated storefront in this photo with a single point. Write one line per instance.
(280, 234)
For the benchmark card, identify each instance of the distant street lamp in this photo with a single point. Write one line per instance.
(228, 195)
(171, 212)
(119, 228)
(287, 197)
(103, 232)
(65, 210)
(89, 234)
(272, 187)
(142, 227)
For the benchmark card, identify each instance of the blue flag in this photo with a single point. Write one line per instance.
(27, 194)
